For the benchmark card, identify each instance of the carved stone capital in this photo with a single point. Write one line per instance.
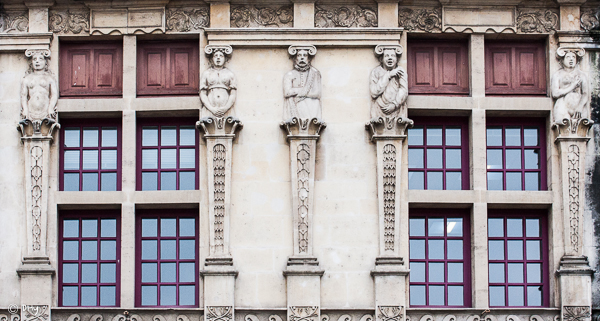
(37, 128)
(303, 128)
(219, 127)
(573, 128)
(388, 127)
(211, 49)
(293, 49)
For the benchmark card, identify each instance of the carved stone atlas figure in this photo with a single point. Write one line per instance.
(218, 85)
(39, 91)
(388, 84)
(302, 86)
(570, 88)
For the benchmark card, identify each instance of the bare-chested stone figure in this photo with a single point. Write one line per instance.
(218, 85)
(570, 87)
(39, 90)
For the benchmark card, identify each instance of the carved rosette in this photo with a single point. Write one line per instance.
(188, 19)
(35, 313)
(590, 18)
(420, 19)
(69, 21)
(303, 313)
(251, 16)
(218, 313)
(537, 20)
(14, 21)
(348, 16)
(576, 313)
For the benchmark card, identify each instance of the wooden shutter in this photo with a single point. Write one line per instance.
(91, 69)
(167, 68)
(438, 67)
(515, 68)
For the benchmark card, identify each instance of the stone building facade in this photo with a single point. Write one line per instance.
(305, 161)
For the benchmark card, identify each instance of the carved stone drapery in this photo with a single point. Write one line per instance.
(251, 16)
(423, 19)
(539, 20)
(347, 16)
(304, 313)
(69, 21)
(590, 18)
(188, 19)
(14, 21)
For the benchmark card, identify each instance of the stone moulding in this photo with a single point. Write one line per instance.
(14, 21)
(420, 19)
(250, 16)
(188, 19)
(69, 21)
(349, 16)
(127, 21)
(537, 20)
(477, 19)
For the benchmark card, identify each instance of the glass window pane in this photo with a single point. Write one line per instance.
(168, 158)
(494, 181)
(149, 295)
(168, 273)
(168, 250)
(416, 180)
(515, 249)
(436, 249)
(494, 159)
(496, 273)
(415, 136)
(417, 271)
(453, 180)
(513, 181)
(168, 295)
(168, 227)
(453, 158)
(454, 226)
(187, 272)
(149, 272)
(532, 227)
(417, 227)
(434, 158)
(436, 272)
(496, 250)
(70, 250)
(187, 135)
(531, 136)
(494, 136)
(455, 295)
(149, 158)
(71, 182)
(89, 228)
(90, 159)
(71, 160)
(417, 295)
(513, 159)
(90, 137)
(108, 296)
(108, 272)
(108, 250)
(455, 249)
(187, 249)
(415, 158)
(436, 295)
(150, 136)
(534, 296)
(89, 273)
(515, 296)
(187, 181)
(187, 295)
(108, 182)
(70, 273)
(149, 227)
(109, 159)
(417, 249)
(168, 181)
(455, 272)
(532, 159)
(149, 250)
(187, 158)
(70, 296)
(495, 227)
(515, 272)
(497, 296)
(534, 273)
(513, 136)
(89, 250)
(109, 137)
(435, 227)
(532, 181)
(514, 227)
(88, 295)
(434, 135)
(187, 227)
(90, 182)
(168, 136)
(71, 228)
(435, 180)
(71, 137)
(149, 181)
(453, 136)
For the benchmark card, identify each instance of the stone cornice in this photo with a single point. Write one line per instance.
(24, 41)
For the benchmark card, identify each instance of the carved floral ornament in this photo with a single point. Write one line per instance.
(538, 20)
(188, 19)
(349, 16)
(14, 21)
(304, 313)
(250, 16)
(423, 19)
(590, 18)
(69, 21)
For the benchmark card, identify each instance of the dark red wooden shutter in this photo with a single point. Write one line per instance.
(515, 68)
(438, 67)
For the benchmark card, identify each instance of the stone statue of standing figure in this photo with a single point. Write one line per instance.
(302, 86)
(388, 84)
(218, 85)
(39, 92)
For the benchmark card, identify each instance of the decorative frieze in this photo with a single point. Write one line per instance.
(250, 16)
(590, 18)
(69, 21)
(35, 313)
(390, 313)
(423, 19)
(188, 19)
(14, 21)
(348, 16)
(303, 313)
(538, 20)
(576, 313)
(218, 313)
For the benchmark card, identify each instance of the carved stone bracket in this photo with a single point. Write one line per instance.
(530, 20)
(573, 127)
(304, 313)
(388, 127)
(218, 313)
(423, 19)
(348, 16)
(14, 21)
(303, 127)
(219, 126)
(188, 19)
(69, 21)
(251, 16)
(38, 128)
(35, 313)
(390, 313)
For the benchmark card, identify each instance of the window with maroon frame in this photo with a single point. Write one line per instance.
(516, 154)
(167, 258)
(167, 154)
(440, 267)
(515, 68)
(89, 258)
(518, 262)
(438, 67)
(90, 155)
(438, 156)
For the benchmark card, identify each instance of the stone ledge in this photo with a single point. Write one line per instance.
(24, 41)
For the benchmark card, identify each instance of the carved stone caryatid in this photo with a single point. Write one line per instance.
(420, 19)
(188, 19)
(346, 16)
(14, 21)
(251, 16)
(69, 21)
(539, 20)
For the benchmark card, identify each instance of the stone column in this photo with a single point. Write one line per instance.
(390, 272)
(219, 273)
(303, 273)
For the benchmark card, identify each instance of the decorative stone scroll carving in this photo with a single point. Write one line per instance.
(35, 313)
(487, 317)
(390, 313)
(348, 16)
(183, 317)
(302, 86)
(303, 157)
(590, 18)
(12, 317)
(412, 19)
(427, 317)
(74, 317)
(576, 313)
(303, 313)
(449, 317)
(512, 317)
(389, 195)
(538, 20)
(36, 195)
(126, 316)
(324, 317)
(251, 16)
(345, 317)
(251, 317)
(186, 20)
(218, 313)
(69, 21)
(97, 317)
(366, 317)
(158, 317)
(14, 21)
(573, 158)
(536, 317)
(275, 317)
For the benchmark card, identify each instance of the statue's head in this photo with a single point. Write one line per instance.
(388, 55)
(38, 60)
(302, 55)
(218, 55)
(302, 58)
(569, 57)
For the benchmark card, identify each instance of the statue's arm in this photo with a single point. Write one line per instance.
(53, 97)
(24, 94)
(315, 91)
(231, 100)
(557, 92)
(403, 89)
(378, 83)
(585, 94)
(204, 93)
(288, 90)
